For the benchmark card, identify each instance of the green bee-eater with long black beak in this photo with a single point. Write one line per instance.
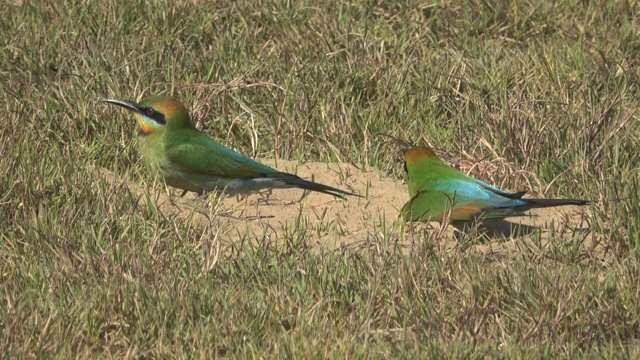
(175, 151)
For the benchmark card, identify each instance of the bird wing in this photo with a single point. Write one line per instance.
(433, 205)
(476, 191)
(516, 195)
(214, 159)
(465, 198)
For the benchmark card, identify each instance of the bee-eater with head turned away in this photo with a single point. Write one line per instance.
(437, 189)
(173, 150)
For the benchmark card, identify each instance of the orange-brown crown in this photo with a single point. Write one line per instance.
(169, 106)
(417, 153)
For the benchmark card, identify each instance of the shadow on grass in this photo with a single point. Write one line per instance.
(497, 229)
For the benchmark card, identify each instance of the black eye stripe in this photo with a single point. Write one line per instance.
(153, 114)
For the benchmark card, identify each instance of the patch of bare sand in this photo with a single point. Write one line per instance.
(328, 223)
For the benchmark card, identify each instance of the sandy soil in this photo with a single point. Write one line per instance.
(332, 223)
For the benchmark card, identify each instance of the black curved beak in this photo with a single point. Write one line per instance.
(130, 105)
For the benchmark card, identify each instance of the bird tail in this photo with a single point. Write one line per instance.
(313, 186)
(543, 203)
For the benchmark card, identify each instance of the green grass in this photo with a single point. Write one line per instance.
(546, 86)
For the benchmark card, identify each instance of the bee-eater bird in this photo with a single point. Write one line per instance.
(173, 150)
(436, 188)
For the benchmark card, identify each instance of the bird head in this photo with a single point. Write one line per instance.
(417, 153)
(157, 113)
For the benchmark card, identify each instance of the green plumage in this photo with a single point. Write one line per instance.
(438, 190)
(173, 150)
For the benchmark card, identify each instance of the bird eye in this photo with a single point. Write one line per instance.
(154, 115)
